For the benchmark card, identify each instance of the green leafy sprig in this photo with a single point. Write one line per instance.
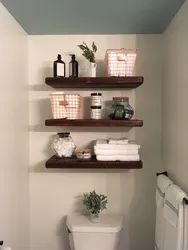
(88, 53)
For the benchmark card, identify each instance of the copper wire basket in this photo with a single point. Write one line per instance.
(67, 106)
(120, 62)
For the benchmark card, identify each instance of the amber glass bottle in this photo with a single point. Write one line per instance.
(73, 67)
(59, 67)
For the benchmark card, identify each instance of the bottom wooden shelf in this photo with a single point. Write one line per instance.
(56, 162)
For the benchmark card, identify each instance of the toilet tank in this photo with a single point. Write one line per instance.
(85, 235)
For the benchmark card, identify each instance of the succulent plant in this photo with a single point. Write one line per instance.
(88, 53)
(94, 202)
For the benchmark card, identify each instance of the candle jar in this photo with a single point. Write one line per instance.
(63, 145)
(83, 154)
(121, 109)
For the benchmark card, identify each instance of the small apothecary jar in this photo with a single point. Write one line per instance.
(96, 99)
(63, 145)
(121, 109)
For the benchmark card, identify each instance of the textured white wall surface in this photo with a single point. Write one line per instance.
(54, 194)
(175, 101)
(14, 144)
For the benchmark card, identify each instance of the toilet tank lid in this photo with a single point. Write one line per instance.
(81, 224)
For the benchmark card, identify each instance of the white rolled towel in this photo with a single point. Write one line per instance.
(118, 157)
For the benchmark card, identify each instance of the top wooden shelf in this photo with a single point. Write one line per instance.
(129, 82)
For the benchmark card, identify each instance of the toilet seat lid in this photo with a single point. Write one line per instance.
(108, 224)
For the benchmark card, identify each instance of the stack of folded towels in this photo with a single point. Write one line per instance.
(116, 150)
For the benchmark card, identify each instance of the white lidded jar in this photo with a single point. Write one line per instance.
(96, 99)
(96, 112)
(84, 235)
(63, 145)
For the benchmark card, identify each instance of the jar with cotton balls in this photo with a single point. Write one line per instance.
(63, 145)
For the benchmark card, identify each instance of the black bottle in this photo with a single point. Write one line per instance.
(73, 67)
(59, 67)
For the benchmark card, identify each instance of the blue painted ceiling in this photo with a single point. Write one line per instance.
(93, 16)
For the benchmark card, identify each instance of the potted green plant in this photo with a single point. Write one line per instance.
(94, 204)
(89, 54)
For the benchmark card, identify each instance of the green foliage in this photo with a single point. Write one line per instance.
(95, 203)
(88, 53)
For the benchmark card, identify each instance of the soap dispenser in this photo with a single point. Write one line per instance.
(59, 67)
(73, 67)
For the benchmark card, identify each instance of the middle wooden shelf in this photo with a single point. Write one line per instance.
(93, 123)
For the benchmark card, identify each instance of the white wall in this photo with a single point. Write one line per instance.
(54, 194)
(175, 101)
(13, 133)
(148, 107)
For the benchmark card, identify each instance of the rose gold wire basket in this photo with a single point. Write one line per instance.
(120, 62)
(65, 105)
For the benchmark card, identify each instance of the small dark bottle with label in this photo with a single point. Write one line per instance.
(59, 67)
(73, 67)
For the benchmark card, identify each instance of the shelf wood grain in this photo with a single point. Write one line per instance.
(93, 123)
(129, 82)
(72, 163)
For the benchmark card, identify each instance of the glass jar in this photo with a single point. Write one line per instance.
(121, 110)
(96, 113)
(96, 99)
(63, 145)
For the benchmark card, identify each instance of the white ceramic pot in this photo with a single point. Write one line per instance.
(94, 218)
(92, 69)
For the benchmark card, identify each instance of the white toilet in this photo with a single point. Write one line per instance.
(85, 235)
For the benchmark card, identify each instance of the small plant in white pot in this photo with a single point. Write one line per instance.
(95, 203)
(89, 54)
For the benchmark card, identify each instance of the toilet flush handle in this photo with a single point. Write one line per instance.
(68, 230)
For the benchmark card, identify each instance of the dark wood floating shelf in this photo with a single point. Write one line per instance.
(73, 163)
(93, 123)
(95, 82)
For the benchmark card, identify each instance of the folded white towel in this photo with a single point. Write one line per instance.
(173, 201)
(185, 226)
(174, 214)
(118, 158)
(105, 145)
(163, 182)
(111, 146)
(121, 141)
(101, 151)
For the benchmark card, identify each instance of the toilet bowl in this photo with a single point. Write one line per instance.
(85, 235)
